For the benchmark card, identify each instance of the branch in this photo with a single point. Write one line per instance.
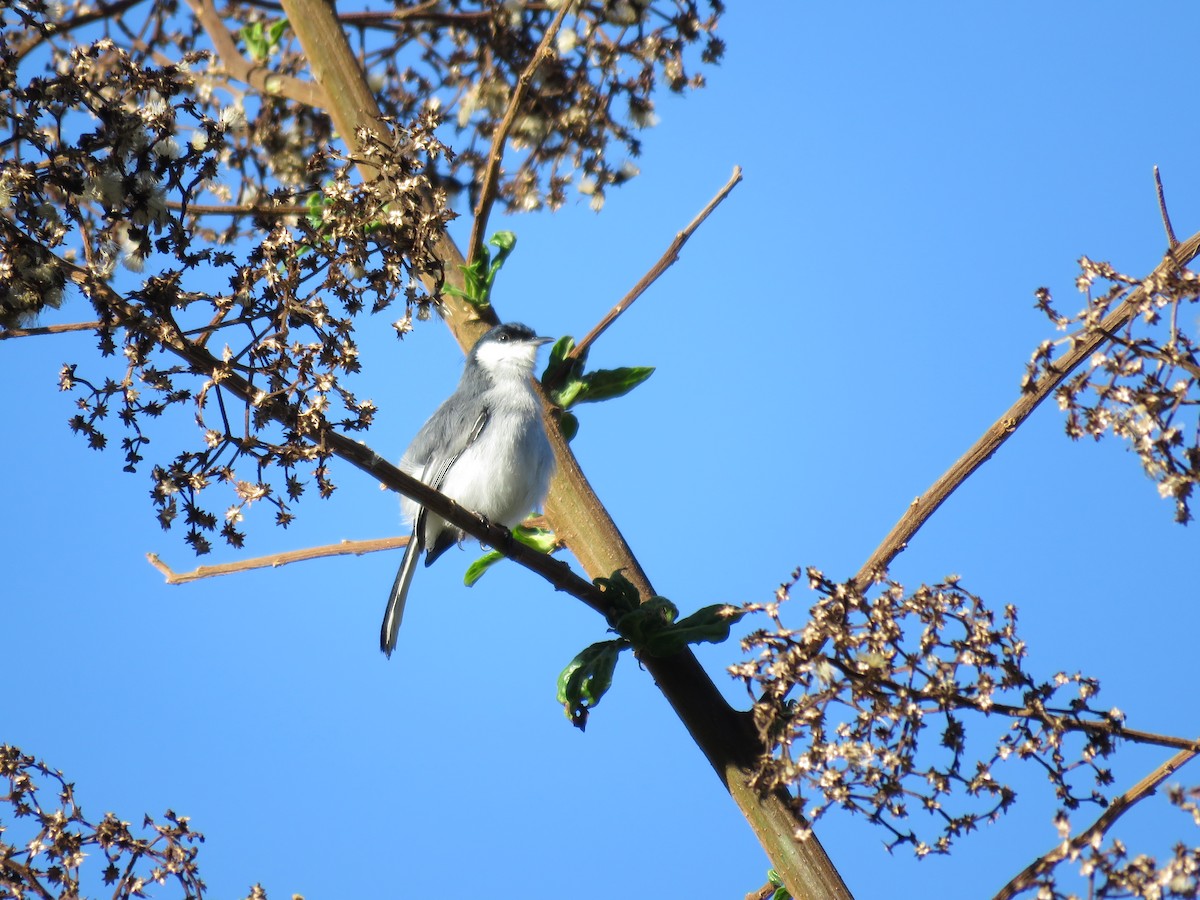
(665, 262)
(1092, 835)
(53, 29)
(981, 451)
(491, 171)
(343, 548)
(1172, 241)
(209, 209)
(330, 442)
(6, 333)
(27, 875)
(258, 76)
(1052, 718)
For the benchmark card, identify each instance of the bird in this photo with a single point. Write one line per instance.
(485, 447)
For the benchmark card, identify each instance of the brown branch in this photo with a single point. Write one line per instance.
(1172, 242)
(426, 11)
(53, 29)
(981, 451)
(1091, 834)
(1047, 717)
(27, 875)
(216, 209)
(491, 171)
(665, 262)
(6, 333)
(333, 443)
(275, 560)
(258, 76)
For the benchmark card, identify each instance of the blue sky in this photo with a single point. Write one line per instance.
(835, 336)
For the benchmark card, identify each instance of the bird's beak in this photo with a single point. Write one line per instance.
(542, 340)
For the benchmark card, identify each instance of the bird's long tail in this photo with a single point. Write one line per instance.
(395, 606)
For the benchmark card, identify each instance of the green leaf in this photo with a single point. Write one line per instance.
(475, 290)
(568, 393)
(642, 625)
(708, 625)
(559, 367)
(569, 426)
(543, 540)
(256, 44)
(605, 384)
(587, 678)
(476, 569)
(504, 240)
(275, 32)
(315, 204)
(621, 593)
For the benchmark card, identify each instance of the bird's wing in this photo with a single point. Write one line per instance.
(434, 452)
(449, 537)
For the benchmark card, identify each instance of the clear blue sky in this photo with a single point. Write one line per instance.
(844, 326)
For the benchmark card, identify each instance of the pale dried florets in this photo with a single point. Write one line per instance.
(867, 709)
(1144, 385)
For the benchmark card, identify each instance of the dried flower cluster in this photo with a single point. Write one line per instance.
(109, 156)
(1144, 384)
(594, 91)
(867, 707)
(132, 148)
(53, 850)
(1107, 869)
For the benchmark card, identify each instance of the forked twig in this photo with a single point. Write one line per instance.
(491, 171)
(669, 258)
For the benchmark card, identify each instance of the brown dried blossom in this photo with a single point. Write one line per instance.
(595, 90)
(1107, 869)
(867, 708)
(52, 850)
(132, 148)
(1144, 384)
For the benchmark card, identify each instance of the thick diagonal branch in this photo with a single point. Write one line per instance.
(981, 451)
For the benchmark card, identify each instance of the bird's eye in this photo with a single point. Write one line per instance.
(502, 337)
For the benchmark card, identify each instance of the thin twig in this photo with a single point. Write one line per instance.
(275, 560)
(924, 506)
(207, 209)
(491, 171)
(1051, 718)
(6, 333)
(427, 11)
(665, 262)
(1097, 829)
(258, 76)
(54, 29)
(1172, 242)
